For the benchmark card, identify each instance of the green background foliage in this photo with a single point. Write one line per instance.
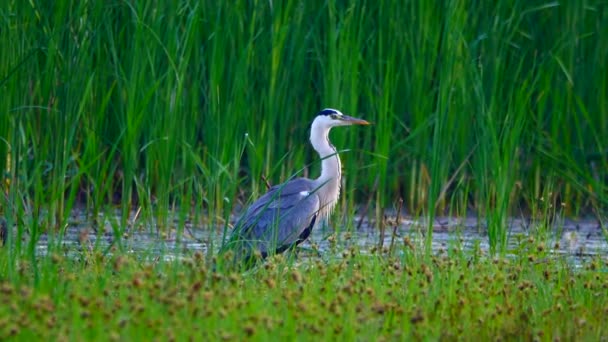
(495, 109)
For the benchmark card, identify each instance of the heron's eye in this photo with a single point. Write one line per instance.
(335, 116)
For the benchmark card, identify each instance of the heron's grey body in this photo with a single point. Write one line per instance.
(281, 218)
(286, 214)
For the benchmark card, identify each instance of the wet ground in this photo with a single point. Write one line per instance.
(574, 239)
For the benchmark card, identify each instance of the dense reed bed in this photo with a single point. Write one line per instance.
(492, 109)
(160, 109)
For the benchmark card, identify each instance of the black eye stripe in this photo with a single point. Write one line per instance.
(327, 112)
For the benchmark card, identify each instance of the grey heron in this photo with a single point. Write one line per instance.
(285, 216)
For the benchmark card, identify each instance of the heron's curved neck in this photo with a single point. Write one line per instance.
(329, 180)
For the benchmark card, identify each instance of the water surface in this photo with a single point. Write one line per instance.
(576, 240)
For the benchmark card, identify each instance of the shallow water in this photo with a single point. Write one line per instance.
(576, 240)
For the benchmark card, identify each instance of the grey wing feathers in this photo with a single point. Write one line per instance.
(277, 219)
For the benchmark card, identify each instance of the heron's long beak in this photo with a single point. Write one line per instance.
(353, 121)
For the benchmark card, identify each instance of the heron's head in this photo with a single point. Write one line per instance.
(329, 117)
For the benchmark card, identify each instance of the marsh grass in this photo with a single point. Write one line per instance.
(453, 295)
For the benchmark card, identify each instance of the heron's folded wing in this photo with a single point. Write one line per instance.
(279, 217)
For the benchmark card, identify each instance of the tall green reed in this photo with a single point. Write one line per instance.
(145, 106)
